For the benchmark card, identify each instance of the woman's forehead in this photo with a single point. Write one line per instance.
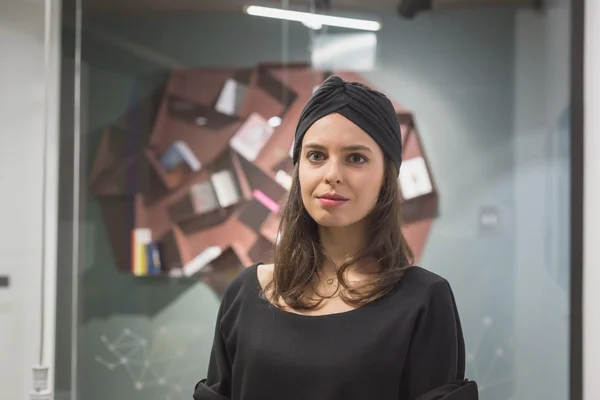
(335, 128)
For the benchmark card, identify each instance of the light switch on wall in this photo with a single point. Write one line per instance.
(488, 218)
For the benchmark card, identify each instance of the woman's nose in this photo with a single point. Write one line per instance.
(334, 173)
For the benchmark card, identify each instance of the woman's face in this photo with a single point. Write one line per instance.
(341, 170)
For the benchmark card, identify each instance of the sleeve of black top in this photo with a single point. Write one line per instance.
(436, 355)
(218, 378)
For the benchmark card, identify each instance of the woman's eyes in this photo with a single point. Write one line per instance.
(315, 156)
(354, 158)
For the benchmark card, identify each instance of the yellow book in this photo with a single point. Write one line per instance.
(141, 238)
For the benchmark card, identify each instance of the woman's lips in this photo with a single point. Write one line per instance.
(332, 201)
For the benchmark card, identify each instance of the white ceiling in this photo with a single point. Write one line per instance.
(116, 7)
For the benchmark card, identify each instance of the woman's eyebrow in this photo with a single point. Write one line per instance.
(357, 147)
(354, 147)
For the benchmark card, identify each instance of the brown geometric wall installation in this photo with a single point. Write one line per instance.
(205, 174)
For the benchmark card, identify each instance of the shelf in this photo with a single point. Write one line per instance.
(228, 199)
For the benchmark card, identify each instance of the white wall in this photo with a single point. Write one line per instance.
(28, 111)
(541, 87)
(591, 188)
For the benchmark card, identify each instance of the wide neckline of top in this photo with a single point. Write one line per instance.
(259, 290)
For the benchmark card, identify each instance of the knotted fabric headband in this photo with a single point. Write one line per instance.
(369, 109)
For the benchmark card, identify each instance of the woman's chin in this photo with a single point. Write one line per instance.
(331, 221)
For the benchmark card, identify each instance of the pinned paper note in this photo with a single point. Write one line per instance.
(252, 136)
(414, 178)
(204, 198)
(231, 97)
(225, 188)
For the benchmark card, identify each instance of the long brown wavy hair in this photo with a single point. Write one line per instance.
(298, 254)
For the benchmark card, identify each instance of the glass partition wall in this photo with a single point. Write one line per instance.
(182, 123)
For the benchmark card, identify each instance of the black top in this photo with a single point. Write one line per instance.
(398, 347)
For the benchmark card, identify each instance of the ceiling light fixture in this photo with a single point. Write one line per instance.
(313, 20)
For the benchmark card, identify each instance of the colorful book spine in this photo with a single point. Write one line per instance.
(201, 260)
(266, 201)
(153, 259)
(141, 237)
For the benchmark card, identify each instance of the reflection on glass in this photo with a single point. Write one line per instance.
(189, 123)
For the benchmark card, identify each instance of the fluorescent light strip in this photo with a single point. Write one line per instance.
(313, 19)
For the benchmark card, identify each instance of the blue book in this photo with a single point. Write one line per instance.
(179, 153)
(153, 259)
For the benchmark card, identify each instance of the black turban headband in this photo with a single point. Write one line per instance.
(371, 110)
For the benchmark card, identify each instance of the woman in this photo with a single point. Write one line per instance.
(340, 314)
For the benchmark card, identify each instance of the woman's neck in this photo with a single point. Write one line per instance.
(339, 243)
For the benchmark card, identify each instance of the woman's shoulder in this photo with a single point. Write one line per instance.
(248, 284)
(264, 274)
(417, 275)
(240, 297)
(246, 279)
(418, 282)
